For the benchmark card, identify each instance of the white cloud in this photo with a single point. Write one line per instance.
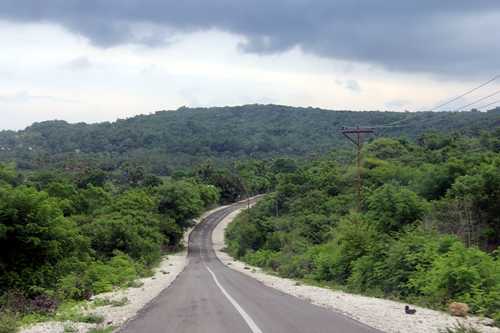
(79, 63)
(57, 74)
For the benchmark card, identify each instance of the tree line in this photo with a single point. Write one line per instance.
(167, 141)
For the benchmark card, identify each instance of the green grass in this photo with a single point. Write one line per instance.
(8, 323)
(115, 303)
(108, 329)
(68, 311)
(91, 318)
(135, 284)
(70, 329)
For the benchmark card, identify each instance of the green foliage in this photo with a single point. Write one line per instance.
(91, 318)
(100, 203)
(180, 200)
(391, 207)
(68, 236)
(99, 277)
(9, 176)
(8, 322)
(166, 141)
(426, 232)
(354, 238)
(108, 329)
(90, 199)
(496, 318)
(414, 251)
(209, 194)
(115, 303)
(246, 238)
(386, 148)
(462, 274)
(263, 258)
(136, 236)
(35, 239)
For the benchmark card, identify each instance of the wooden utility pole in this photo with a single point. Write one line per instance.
(355, 135)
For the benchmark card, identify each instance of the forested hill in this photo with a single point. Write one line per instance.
(166, 140)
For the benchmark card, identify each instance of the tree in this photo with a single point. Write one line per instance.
(180, 200)
(35, 238)
(391, 207)
(137, 235)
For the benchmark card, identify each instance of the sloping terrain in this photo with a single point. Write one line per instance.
(167, 140)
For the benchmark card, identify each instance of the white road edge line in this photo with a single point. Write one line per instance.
(253, 326)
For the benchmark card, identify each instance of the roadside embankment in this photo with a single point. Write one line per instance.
(386, 315)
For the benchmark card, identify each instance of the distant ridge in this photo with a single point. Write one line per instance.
(168, 139)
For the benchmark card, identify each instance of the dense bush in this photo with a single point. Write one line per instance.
(67, 236)
(412, 252)
(35, 239)
(137, 236)
(8, 322)
(353, 238)
(392, 207)
(426, 233)
(462, 274)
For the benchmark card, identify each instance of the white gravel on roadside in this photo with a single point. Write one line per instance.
(163, 275)
(385, 315)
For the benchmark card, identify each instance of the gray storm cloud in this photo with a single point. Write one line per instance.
(443, 37)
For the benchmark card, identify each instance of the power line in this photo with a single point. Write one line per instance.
(466, 93)
(489, 104)
(393, 123)
(478, 100)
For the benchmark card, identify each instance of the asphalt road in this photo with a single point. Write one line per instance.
(208, 297)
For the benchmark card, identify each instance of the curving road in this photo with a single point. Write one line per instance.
(208, 297)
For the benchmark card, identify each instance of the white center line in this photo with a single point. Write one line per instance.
(253, 326)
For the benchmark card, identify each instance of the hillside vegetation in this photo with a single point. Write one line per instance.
(166, 141)
(428, 230)
(65, 238)
(88, 208)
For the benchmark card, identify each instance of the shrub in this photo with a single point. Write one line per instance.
(466, 275)
(243, 235)
(44, 304)
(91, 318)
(102, 330)
(367, 274)
(172, 232)
(36, 238)
(354, 237)
(262, 258)
(103, 276)
(8, 323)
(294, 266)
(414, 250)
(393, 207)
(99, 277)
(180, 200)
(137, 235)
(496, 318)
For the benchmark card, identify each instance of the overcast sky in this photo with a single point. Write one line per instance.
(91, 60)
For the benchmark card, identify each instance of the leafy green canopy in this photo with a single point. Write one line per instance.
(164, 142)
(64, 238)
(428, 230)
